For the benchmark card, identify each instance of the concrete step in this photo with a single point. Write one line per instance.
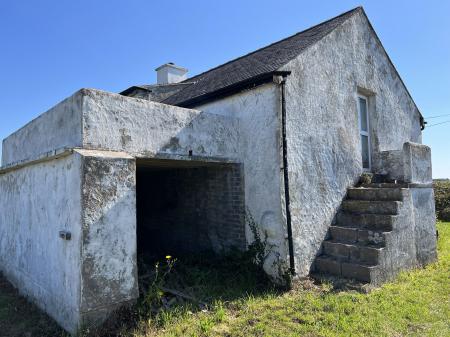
(328, 265)
(385, 185)
(374, 222)
(382, 194)
(371, 207)
(362, 272)
(358, 235)
(355, 252)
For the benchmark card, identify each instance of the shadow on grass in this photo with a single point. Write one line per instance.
(187, 284)
(18, 317)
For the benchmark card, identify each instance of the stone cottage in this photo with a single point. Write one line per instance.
(277, 138)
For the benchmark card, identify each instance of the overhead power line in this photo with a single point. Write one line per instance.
(438, 123)
(437, 116)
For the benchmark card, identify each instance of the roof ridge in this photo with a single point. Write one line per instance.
(190, 79)
(164, 84)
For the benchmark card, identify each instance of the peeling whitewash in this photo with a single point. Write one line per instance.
(108, 243)
(90, 188)
(37, 202)
(149, 129)
(324, 151)
(96, 119)
(57, 128)
(258, 112)
(98, 186)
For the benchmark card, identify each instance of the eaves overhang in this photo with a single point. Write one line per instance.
(233, 89)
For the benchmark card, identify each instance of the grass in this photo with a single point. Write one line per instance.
(240, 302)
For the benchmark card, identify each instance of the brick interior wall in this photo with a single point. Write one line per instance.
(188, 210)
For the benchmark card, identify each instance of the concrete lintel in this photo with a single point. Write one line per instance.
(62, 152)
(103, 153)
(193, 158)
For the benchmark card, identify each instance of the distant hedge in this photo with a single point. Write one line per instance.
(442, 199)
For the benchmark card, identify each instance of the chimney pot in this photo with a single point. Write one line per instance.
(170, 73)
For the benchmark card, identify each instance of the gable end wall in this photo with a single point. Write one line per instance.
(322, 125)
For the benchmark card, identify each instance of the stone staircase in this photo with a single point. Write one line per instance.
(360, 241)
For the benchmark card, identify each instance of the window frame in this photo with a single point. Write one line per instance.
(364, 133)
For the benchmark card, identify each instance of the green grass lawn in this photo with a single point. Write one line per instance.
(417, 303)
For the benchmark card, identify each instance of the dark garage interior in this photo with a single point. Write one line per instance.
(186, 207)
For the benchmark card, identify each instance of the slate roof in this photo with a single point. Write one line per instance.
(261, 61)
(253, 65)
(155, 92)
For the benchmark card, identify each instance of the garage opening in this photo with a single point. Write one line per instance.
(186, 207)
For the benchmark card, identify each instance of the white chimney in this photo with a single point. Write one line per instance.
(170, 73)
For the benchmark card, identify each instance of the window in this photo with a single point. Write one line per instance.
(364, 131)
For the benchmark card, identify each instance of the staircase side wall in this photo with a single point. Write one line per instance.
(413, 165)
(412, 242)
(424, 224)
(400, 250)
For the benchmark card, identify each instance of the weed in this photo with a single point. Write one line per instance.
(241, 302)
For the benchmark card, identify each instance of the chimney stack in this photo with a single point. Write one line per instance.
(170, 73)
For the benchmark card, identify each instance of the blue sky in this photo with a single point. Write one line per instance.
(49, 49)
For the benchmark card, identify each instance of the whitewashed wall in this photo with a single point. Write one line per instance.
(36, 202)
(57, 128)
(150, 129)
(322, 125)
(97, 119)
(258, 114)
